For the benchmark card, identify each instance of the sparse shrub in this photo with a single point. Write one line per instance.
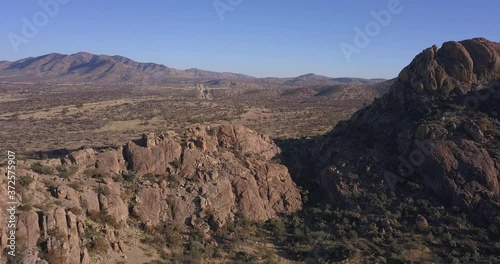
(151, 177)
(130, 176)
(103, 218)
(25, 207)
(176, 164)
(94, 174)
(279, 229)
(76, 210)
(66, 171)
(25, 181)
(42, 169)
(249, 155)
(493, 231)
(352, 234)
(173, 180)
(167, 233)
(172, 235)
(21, 252)
(471, 248)
(269, 257)
(484, 123)
(78, 186)
(56, 255)
(48, 205)
(98, 176)
(213, 131)
(396, 247)
(245, 257)
(209, 213)
(56, 234)
(196, 250)
(238, 151)
(15, 117)
(99, 245)
(104, 190)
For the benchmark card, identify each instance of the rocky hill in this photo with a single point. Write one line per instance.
(93, 200)
(84, 67)
(437, 125)
(435, 135)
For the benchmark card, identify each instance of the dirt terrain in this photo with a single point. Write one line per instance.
(48, 118)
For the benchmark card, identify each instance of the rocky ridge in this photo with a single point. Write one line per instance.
(202, 180)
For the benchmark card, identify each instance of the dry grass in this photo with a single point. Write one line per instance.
(38, 118)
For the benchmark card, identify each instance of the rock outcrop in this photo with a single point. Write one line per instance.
(437, 126)
(224, 171)
(456, 67)
(201, 179)
(152, 154)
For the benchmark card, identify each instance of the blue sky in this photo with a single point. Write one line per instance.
(261, 38)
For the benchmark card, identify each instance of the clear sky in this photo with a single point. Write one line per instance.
(257, 37)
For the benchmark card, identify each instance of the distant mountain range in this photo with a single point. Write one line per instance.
(89, 68)
(323, 80)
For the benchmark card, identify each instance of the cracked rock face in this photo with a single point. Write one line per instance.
(201, 179)
(222, 173)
